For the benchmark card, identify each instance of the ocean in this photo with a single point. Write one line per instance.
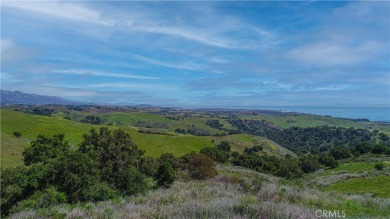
(373, 114)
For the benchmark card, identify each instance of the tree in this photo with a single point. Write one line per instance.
(74, 174)
(166, 175)
(132, 182)
(224, 146)
(115, 152)
(328, 161)
(379, 149)
(309, 164)
(201, 166)
(44, 148)
(289, 169)
(216, 154)
(340, 153)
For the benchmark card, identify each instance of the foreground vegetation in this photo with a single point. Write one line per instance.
(234, 193)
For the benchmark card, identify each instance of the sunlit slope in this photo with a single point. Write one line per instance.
(240, 141)
(304, 121)
(32, 125)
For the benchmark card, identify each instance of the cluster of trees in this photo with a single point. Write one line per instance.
(287, 167)
(106, 165)
(148, 124)
(42, 111)
(193, 130)
(214, 123)
(91, 119)
(174, 117)
(365, 148)
(220, 154)
(254, 127)
(320, 139)
(152, 131)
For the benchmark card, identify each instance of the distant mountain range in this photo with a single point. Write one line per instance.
(17, 97)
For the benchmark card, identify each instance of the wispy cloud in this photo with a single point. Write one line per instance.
(102, 74)
(143, 86)
(184, 66)
(59, 9)
(334, 53)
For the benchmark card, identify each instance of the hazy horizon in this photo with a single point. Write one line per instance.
(197, 54)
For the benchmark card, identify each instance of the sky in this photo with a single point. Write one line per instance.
(199, 54)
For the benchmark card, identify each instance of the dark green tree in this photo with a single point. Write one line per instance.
(114, 150)
(44, 148)
(340, 153)
(328, 161)
(166, 175)
(224, 146)
(216, 154)
(309, 164)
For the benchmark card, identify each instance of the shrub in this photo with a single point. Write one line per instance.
(253, 149)
(166, 175)
(133, 182)
(74, 174)
(379, 166)
(44, 148)
(201, 167)
(41, 199)
(340, 153)
(309, 164)
(289, 169)
(224, 146)
(216, 154)
(328, 161)
(99, 191)
(17, 134)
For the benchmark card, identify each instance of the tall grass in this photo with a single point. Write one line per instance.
(234, 193)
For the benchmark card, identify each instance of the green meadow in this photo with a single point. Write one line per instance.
(32, 125)
(376, 185)
(304, 121)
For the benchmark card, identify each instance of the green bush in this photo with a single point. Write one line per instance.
(328, 161)
(309, 164)
(379, 166)
(133, 182)
(17, 134)
(41, 199)
(149, 166)
(166, 175)
(99, 191)
(340, 153)
(224, 146)
(201, 167)
(44, 148)
(289, 169)
(216, 154)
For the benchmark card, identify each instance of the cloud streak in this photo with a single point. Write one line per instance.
(102, 74)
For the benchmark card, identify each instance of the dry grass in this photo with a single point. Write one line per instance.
(234, 193)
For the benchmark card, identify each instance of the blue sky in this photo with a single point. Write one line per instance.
(199, 54)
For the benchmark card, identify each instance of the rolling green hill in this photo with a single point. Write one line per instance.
(304, 121)
(155, 144)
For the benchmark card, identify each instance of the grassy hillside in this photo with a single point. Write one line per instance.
(234, 193)
(32, 125)
(304, 121)
(376, 185)
(240, 141)
(354, 178)
(155, 144)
